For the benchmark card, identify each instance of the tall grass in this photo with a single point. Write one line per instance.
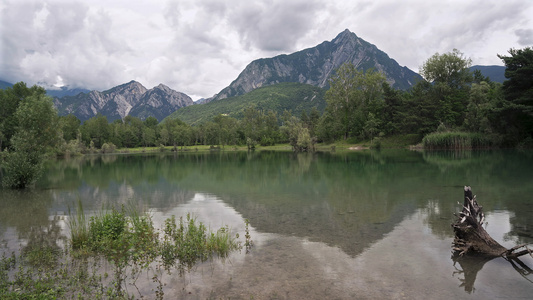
(188, 242)
(457, 141)
(79, 229)
(124, 237)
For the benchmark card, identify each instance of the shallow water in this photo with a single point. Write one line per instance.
(337, 226)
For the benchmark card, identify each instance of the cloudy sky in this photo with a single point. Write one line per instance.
(199, 46)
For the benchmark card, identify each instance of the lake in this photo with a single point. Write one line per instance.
(363, 225)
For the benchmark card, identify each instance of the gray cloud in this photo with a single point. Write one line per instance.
(273, 25)
(200, 46)
(59, 43)
(525, 36)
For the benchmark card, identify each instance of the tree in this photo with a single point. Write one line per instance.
(151, 122)
(519, 71)
(518, 91)
(393, 107)
(371, 126)
(352, 95)
(314, 117)
(451, 69)
(10, 99)
(226, 132)
(298, 134)
(251, 123)
(419, 111)
(97, 130)
(69, 124)
(450, 75)
(34, 131)
(478, 108)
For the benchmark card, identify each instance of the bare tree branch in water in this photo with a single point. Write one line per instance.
(473, 246)
(471, 237)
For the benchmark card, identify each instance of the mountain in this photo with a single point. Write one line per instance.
(315, 66)
(292, 96)
(131, 98)
(159, 102)
(200, 101)
(4, 85)
(495, 73)
(65, 91)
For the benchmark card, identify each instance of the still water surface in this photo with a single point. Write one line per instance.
(361, 225)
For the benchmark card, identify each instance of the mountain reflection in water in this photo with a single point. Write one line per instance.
(356, 225)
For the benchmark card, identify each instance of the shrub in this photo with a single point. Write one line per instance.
(22, 168)
(108, 147)
(105, 230)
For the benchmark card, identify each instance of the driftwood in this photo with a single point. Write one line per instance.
(471, 237)
(473, 246)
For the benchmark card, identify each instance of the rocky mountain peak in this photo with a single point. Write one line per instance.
(316, 65)
(131, 98)
(163, 87)
(345, 36)
(132, 87)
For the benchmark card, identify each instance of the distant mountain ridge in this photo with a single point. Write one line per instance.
(65, 91)
(495, 73)
(315, 66)
(5, 85)
(131, 98)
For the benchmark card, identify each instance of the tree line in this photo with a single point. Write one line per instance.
(451, 104)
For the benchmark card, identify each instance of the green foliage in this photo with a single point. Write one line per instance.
(79, 231)
(352, 97)
(188, 242)
(69, 125)
(517, 113)
(450, 75)
(22, 168)
(294, 97)
(519, 71)
(96, 130)
(10, 100)
(108, 148)
(451, 69)
(105, 230)
(298, 135)
(128, 239)
(30, 129)
(457, 141)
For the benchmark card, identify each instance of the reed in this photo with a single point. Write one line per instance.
(457, 141)
(79, 230)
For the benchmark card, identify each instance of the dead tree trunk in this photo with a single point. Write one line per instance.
(471, 237)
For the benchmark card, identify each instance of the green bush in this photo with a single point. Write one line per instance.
(108, 147)
(21, 168)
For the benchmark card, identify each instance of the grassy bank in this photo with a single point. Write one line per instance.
(392, 142)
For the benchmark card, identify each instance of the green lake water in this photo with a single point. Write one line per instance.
(359, 225)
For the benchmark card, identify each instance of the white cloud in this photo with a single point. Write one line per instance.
(200, 46)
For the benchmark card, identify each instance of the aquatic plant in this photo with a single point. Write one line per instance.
(127, 239)
(189, 242)
(457, 141)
